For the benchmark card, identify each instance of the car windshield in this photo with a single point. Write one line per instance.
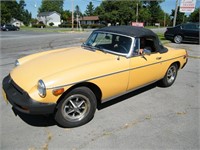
(109, 42)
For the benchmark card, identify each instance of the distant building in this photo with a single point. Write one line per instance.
(48, 17)
(16, 22)
(89, 20)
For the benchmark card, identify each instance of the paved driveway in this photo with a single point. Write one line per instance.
(149, 118)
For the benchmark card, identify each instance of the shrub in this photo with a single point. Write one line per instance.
(51, 24)
(38, 26)
(65, 25)
(93, 26)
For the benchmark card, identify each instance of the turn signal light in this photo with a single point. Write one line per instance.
(57, 92)
(186, 55)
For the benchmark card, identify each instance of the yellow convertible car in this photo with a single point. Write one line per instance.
(70, 82)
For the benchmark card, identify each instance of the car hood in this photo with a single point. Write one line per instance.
(63, 67)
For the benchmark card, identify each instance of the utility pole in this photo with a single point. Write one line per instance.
(164, 24)
(72, 15)
(77, 21)
(137, 13)
(175, 14)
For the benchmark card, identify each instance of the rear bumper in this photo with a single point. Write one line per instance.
(21, 101)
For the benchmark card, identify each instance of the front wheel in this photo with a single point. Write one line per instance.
(76, 108)
(170, 76)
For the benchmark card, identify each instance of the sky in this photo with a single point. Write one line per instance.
(33, 5)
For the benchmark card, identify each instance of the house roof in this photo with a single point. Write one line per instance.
(129, 31)
(47, 13)
(15, 20)
(90, 18)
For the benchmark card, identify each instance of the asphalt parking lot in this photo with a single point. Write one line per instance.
(150, 118)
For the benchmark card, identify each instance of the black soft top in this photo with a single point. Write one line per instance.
(129, 31)
(135, 32)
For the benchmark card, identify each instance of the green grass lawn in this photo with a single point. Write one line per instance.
(162, 38)
(56, 29)
(46, 29)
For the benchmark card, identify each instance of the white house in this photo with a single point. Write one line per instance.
(16, 22)
(48, 17)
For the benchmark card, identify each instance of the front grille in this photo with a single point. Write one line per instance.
(10, 84)
(16, 87)
(13, 91)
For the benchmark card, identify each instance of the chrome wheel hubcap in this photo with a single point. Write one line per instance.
(178, 39)
(171, 74)
(75, 107)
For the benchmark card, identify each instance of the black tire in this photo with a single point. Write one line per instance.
(170, 76)
(76, 108)
(178, 39)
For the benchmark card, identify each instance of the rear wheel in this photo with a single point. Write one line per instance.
(76, 108)
(170, 76)
(178, 39)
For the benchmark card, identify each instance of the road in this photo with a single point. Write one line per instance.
(149, 118)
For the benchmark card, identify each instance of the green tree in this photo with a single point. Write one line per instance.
(9, 9)
(194, 17)
(23, 14)
(121, 12)
(77, 11)
(144, 15)
(157, 13)
(90, 9)
(98, 10)
(124, 12)
(26, 17)
(66, 16)
(167, 20)
(13, 9)
(53, 5)
(180, 18)
(5, 13)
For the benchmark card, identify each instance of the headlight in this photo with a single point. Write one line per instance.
(41, 88)
(17, 63)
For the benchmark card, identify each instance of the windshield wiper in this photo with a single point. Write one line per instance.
(100, 48)
(93, 48)
(88, 47)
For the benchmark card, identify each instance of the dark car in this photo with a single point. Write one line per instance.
(188, 32)
(9, 27)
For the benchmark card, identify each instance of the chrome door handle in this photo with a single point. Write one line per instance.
(158, 58)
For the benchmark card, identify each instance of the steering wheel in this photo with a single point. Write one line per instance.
(122, 49)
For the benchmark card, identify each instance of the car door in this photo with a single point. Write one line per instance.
(8, 27)
(190, 32)
(144, 69)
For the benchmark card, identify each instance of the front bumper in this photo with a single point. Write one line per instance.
(185, 63)
(21, 101)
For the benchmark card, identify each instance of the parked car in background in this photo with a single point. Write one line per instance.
(9, 27)
(188, 32)
(2, 26)
(72, 82)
